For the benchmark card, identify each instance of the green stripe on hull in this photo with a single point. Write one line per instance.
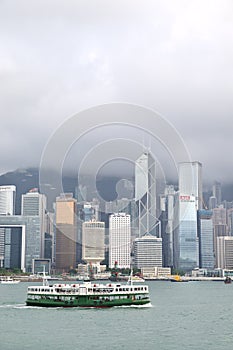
(86, 302)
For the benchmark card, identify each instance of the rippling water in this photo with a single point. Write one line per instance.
(193, 315)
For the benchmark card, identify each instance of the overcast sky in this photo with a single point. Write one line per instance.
(60, 57)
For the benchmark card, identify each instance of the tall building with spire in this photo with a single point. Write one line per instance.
(145, 194)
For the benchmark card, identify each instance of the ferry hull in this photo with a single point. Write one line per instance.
(84, 302)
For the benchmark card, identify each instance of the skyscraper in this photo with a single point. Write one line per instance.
(148, 251)
(169, 223)
(65, 232)
(7, 207)
(145, 193)
(34, 204)
(225, 252)
(7, 200)
(230, 221)
(93, 234)
(119, 240)
(190, 188)
(219, 225)
(217, 192)
(190, 181)
(212, 202)
(188, 240)
(206, 239)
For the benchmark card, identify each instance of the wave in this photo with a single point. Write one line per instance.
(11, 306)
(149, 305)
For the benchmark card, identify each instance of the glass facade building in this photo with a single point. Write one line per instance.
(190, 181)
(34, 205)
(206, 239)
(28, 244)
(7, 207)
(188, 239)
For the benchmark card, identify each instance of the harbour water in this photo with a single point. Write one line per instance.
(193, 315)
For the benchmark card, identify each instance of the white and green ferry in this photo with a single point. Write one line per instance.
(88, 294)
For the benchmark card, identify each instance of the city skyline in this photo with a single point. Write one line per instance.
(188, 235)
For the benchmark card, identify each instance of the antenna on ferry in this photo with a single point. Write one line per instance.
(45, 281)
(131, 276)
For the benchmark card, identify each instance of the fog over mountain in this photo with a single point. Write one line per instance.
(58, 58)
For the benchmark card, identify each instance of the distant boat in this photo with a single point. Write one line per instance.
(227, 280)
(178, 278)
(9, 280)
(118, 277)
(137, 279)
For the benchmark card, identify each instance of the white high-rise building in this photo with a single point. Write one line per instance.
(93, 234)
(7, 200)
(34, 204)
(119, 240)
(190, 181)
(145, 193)
(148, 251)
(7, 207)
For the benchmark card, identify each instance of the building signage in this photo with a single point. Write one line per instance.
(187, 198)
